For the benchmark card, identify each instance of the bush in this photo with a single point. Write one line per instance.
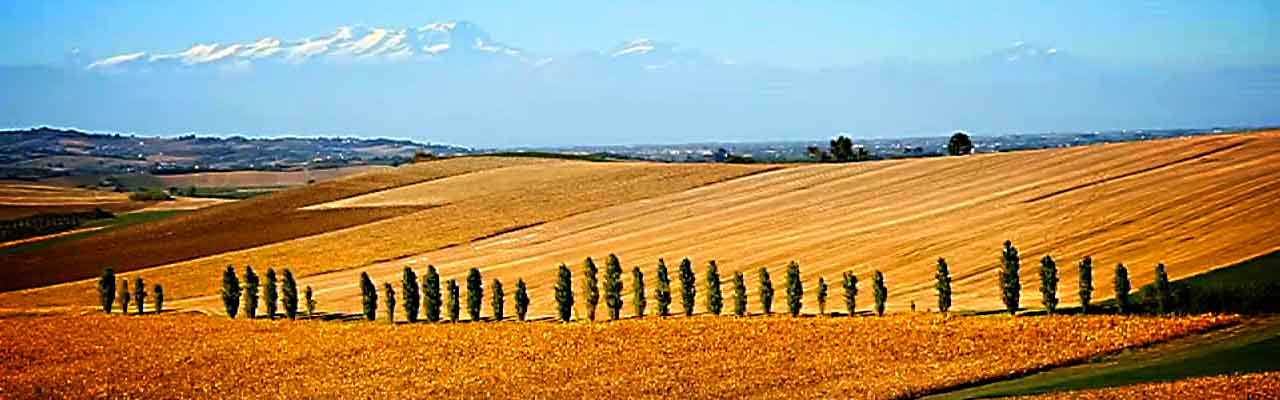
(1122, 288)
(125, 296)
(613, 286)
(1086, 284)
(943, 285)
(231, 292)
(1010, 275)
(150, 195)
(564, 293)
(850, 293)
(739, 294)
(409, 290)
(795, 289)
(688, 290)
(590, 288)
(369, 297)
(1049, 284)
(1162, 290)
(637, 291)
(498, 301)
(159, 290)
(140, 295)
(290, 293)
(822, 296)
(766, 292)
(107, 289)
(311, 303)
(250, 293)
(431, 294)
(522, 300)
(879, 291)
(715, 300)
(272, 295)
(475, 293)
(453, 304)
(663, 292)
(390, 298)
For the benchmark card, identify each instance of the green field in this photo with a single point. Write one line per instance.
(121, 220)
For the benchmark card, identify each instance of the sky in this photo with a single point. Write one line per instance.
(807, 34)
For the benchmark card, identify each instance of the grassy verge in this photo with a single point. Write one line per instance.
(121, 220)
(232, 193)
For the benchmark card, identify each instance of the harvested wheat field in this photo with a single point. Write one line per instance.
(1263, 385)
(262, 178)
(193, 356)
(21, 199)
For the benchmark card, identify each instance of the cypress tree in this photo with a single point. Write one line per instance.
(140, 295)
(715, 300)
(272, 295)
(311, 304)
(107, 289)
(613, 286)
(431, 294)
(390, 298)
(822, 296)
(688, 290)
(943, 285)
(498, 301)
(564, 293)
(1049, 284)
(231, 291)
(289, 290)
(739, 294)
(795, 289)
(879, 291)
(850, 293)
(663, 292)
(455, 308)
(637, 291)
(590, 288)
(1086, 284)
(1010, 275)
(522, 300)
(124, 296)
(250, 293)
(1122, 288)
(1164, 292)
(409, 290)
(369, 298)
(475, 293)
(766, 292)
(159, 290)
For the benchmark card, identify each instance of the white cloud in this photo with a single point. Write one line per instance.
(264, 47)
(117, 60)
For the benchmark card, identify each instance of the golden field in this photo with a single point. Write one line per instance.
(193, 356)
(1262, 385)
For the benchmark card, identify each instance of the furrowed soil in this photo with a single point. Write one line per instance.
(193, 356)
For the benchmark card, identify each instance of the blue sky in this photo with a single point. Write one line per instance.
(792, 34)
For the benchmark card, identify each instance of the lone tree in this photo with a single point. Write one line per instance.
(960, 144)
(564, 293)
(289, 290)
(107, 289)
(1164, 292)
(522, 299)
(766, 292)
(739, 294)
(455, 308)
(1122, 288)
(613, 286)
(390, 298)
(159, 290)
(590, 287)
(688, 290)
(409, 290)
(250, 293)
(431, 294)
(231, 292)
(943, 285)
(124, 296)
(1086, 284)
(1049, 284)
(637, 291)
(850, 293)
(272, 293)
(879, 291)
(498, 301)
(715, 300)
(822, 296)
(663, 292)
(1010, 283)
(140, 294)
(475, 293)
(795, 290)
(311, 303)
(369, 297)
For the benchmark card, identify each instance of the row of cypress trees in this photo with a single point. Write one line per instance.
(107, 293)
(1011, 286)
(278, 292)
(414, 295)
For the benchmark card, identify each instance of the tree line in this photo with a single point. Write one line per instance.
(108, 294)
